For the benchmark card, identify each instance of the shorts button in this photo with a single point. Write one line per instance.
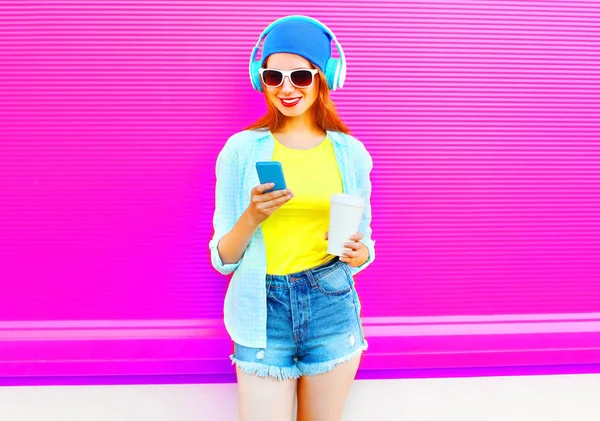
(293, 279)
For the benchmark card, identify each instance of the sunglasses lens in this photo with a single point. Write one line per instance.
(272, 77)
(302, 78)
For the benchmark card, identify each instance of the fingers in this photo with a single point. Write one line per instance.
(353, 245)
(275, 203)
(354, 241)
(356, 237)
(351, 253)
(262, 204)
(260, 189)
(267, 203)
(259, 194)
(276, 194)
(354, 250)
(327, 235)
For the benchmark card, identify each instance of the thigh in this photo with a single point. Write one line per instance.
(322, 397)
(265, 398)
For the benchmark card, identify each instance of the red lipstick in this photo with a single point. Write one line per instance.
(289, 102)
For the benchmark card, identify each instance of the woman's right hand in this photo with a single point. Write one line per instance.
(262, 205)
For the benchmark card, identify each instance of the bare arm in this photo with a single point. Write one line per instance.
(234, 243)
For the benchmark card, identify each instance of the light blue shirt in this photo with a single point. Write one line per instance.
(245, 307)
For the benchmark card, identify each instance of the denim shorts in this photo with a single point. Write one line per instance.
(313, 324)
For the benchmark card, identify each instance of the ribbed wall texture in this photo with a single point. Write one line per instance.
(483, 118)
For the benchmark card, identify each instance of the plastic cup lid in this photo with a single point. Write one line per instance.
(348, 199)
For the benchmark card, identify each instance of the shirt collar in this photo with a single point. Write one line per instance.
(337, 137)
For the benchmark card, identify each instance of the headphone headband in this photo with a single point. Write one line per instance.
(335, 80)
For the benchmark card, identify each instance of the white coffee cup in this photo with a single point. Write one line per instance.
(344, 219)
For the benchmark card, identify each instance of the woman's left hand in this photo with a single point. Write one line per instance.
(355, 252)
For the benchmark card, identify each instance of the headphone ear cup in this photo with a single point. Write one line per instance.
(332, 71)
(255, 76)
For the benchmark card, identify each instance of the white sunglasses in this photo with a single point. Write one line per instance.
(300, 78)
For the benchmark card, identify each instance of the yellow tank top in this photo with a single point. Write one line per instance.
(295, 233)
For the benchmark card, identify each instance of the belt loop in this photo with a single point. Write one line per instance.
(269, 281)
(311, 278)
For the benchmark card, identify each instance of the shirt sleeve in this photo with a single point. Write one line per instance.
(364, 164)
(227, 190)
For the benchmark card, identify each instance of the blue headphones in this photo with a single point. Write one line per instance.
(335, 70)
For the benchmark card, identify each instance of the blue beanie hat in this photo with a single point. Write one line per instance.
(299, 37)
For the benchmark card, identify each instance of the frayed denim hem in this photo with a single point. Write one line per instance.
(314, 369)
(265, 370)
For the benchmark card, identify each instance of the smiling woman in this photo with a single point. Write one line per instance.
(309, 340)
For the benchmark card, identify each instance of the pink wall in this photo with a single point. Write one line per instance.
(482, 118)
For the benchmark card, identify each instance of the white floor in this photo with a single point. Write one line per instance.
(536, 398)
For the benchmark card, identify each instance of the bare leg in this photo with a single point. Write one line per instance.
(322, 397)
(265, 398)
